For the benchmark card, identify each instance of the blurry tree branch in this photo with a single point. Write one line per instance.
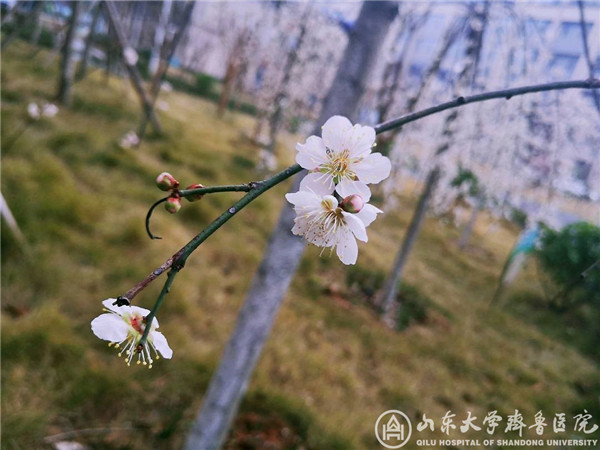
(67, 66)
(134, 74)
(166, 54)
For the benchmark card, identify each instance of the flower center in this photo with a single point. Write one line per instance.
(339, 164)
(137, 323)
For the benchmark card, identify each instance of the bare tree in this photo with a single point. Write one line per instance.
(37, 26)
(166, 54)
(291, 59)
(67, 68)
(284, 250)
(134, 75)
(235, 64)
(160, 35)
(467, 76)
(85, 56)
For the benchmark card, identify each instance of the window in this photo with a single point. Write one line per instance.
(581, 170)
(562, 66)
(569, 40)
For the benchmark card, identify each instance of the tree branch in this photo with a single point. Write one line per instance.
(592, 83)
(256, 189)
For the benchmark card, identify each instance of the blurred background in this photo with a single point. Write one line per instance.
(491, 312)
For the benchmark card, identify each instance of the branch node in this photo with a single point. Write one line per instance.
(460, 100)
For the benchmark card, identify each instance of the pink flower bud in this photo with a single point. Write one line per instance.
(353, 203)
(193, 198)
(166, 182)
(173, 204)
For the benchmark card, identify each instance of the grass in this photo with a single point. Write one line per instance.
(329, 368)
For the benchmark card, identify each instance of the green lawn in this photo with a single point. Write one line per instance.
(329, 368)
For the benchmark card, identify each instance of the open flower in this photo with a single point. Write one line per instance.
(341, 159)
(123, 327)
(323, 222)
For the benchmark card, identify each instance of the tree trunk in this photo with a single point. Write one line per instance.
(470, 226)
(166, 55)
(81, 73)
(390, 289)
(67, 70)
(159, 36)
(37, 26)
(474, 37)
(234, 66)
(284, 250)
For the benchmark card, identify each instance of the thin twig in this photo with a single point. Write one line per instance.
(592, 83)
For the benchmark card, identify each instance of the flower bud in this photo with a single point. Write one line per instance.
(353, 203)
(166, 182)
(193, 198)
(173, 204)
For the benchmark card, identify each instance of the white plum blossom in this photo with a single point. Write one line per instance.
(131, 56)
(323, 222)
(130, 140)
(34, 111)
(123, 327)
(49, 110)
(341, 159)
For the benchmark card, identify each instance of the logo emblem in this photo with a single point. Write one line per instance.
(393, 429)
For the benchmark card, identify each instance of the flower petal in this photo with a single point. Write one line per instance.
(319, 183)
(311, 154)
(368, 214)
(348, 187)
(356, 226)
(120, 310)
(362, 141)
(373, 169)
(160, 342)
(347, 248)
(303, 199)
(110, 327)
(141, 311)
(336, 133)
